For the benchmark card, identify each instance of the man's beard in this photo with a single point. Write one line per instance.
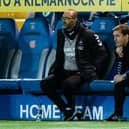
(71, 32)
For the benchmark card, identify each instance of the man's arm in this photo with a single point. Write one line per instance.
(100, 54)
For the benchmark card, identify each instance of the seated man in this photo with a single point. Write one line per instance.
(79, 59)
(121, 79)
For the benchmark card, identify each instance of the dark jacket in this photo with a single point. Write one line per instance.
(122, 64)
(90, 54)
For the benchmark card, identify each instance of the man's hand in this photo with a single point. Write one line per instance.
(119, 51)
(119, 78)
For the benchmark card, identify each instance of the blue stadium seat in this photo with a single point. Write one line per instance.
(101, 86)
(33, 49)
(83, 16)
(51, 17)
(103, 27)
(119, 14)
(52, 54)
(8, 45)
(86, 18)
(124, 19)
(58, 25)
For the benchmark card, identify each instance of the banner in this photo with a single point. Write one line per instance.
(61, 5)
(29, 107)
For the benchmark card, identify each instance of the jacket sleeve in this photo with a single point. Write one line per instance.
(57, 67)
(99, 53)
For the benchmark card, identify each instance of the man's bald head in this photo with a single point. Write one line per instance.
(71, 12)
(69, 18)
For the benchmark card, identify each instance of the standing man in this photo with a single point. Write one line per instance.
(80, 56)
(121, 79)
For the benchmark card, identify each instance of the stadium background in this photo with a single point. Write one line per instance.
(27, 50)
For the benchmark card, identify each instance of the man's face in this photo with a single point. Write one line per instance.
(119, 38)
(68, 20)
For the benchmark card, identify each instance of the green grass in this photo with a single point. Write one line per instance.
(62, 125)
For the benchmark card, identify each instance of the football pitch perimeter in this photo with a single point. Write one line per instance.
(63, 125)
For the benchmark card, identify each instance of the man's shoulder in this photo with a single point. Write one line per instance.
(84, 31)
(85, 28)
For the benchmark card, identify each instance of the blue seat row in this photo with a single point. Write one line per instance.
(24, 54)
(32, 86)
(33, 50)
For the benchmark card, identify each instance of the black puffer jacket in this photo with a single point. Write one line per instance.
(90, 54)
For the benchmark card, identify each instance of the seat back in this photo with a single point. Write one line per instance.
(8, 45)
(83, 16)
(52, 54)
(33, 49)
(86, 18)
(103, 27)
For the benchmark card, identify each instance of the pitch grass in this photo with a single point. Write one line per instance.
(62, 125)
